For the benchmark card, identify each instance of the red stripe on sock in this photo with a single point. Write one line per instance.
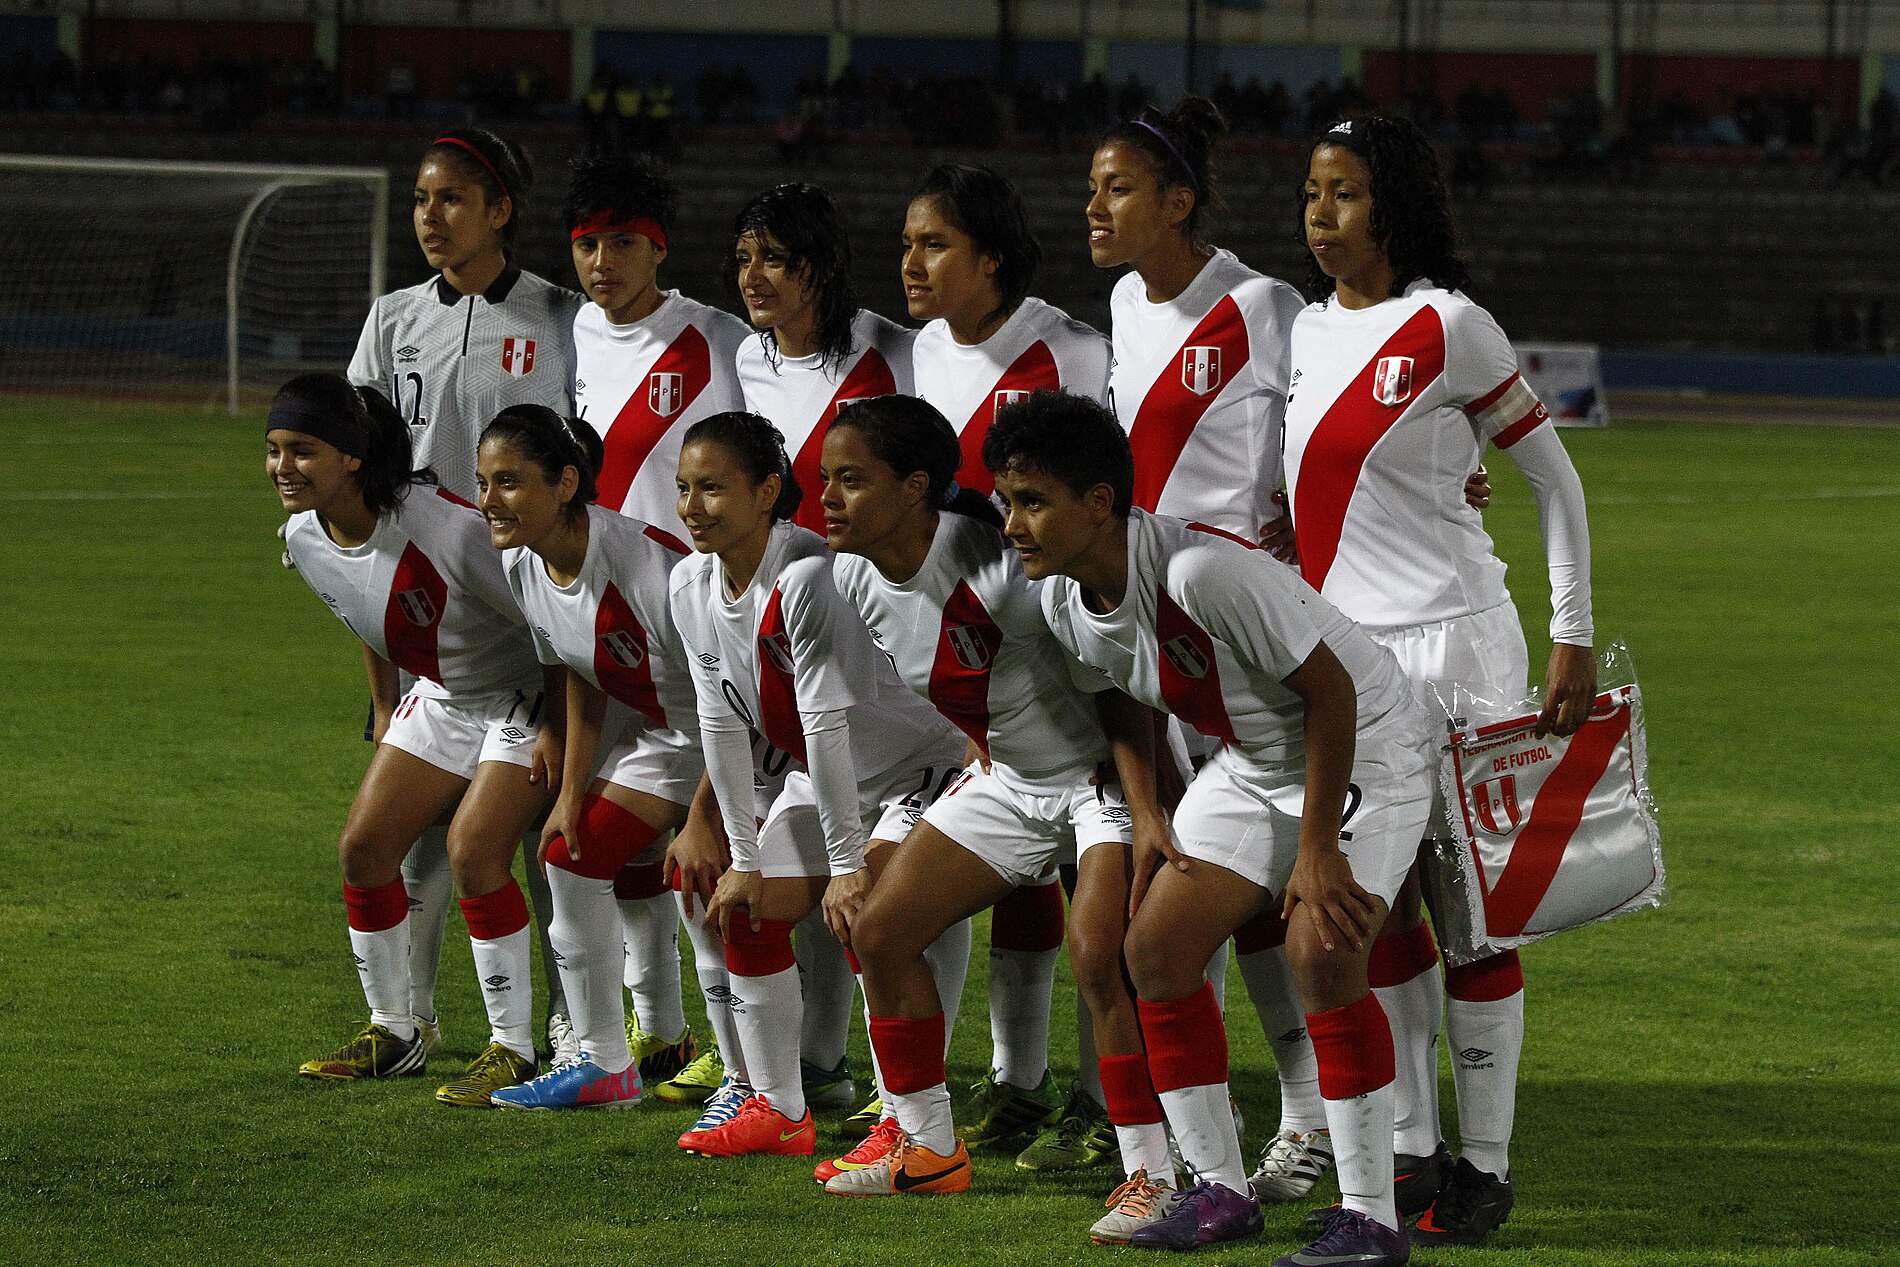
(1398, 957)
(1487, 980)
(909, 1052)
(373, 910)
(1263, 932)
(1129, 1090)
(636, 884)
(850, 957)
(1186, 1039)
(761, 954)
(1028, 920)
(1353, 1045)
(495, 915)
(611, 837)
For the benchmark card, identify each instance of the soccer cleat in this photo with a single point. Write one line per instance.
(828, 1088)
(1082, 1137)
(756, 1128)
(562, 1040)
(373, 1053)
(1291, 1164)
(1211, 1213)
(868, 1153)
(429, 1029)
(1137, 1203)
(908, 1169)
(496, 1067)
(575, 1084)
(658, 1059)
(1471, 1205)
(1417, 1181)
(723, 1105)
(1351, 1237)
(864, 1121)
(696, 1083)
(1004, 1112)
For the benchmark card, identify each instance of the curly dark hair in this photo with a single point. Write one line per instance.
(1411, 208)
(1180, 144)
(624, 188)
(807, 223)
(1069, 438)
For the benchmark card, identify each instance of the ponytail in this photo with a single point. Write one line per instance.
(361, 422)
(908, 434)
(553, 443)
(759, 448)
(1180, 144)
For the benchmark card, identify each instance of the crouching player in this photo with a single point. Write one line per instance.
(1311, 806)
(946, 598)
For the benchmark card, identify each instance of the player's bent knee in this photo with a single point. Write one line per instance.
(884, 934)
(368, 859)
(1157, 965)
(1095, 955)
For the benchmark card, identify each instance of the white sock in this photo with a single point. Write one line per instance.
(1362, 1153)
(1145, 1147)
(1217, 976)
(770, 1011)
(1088, 1069)
(949, 960)
(650, 928)
(715, 985)
(1413, 1008)
(1487, 1040)
(431, 883)
(382, 961)
(506, 974)
(585, 933)
(1283, 1018)
(1021, 983)
(540, 915)
(925, 1117)
(828, 986)
(1203, 1123)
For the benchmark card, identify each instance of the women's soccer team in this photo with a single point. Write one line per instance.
(819, 637)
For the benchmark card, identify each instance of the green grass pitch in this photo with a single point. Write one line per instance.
(1712, 1082)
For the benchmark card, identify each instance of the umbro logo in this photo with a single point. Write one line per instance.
(1293, 1035)
(408, 352)
(1475, 1058)
(580, 385)
(708, 660)
(497, 982)
(513, 734)
(415, 903)
(1296, 375)
(721, 994)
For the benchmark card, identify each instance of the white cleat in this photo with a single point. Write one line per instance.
(429, 1030)
(562, 1038)
(1133, 1206)
(1291, 1164)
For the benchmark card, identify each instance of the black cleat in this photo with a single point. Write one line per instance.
(1417, 1181)
(1470, 1206)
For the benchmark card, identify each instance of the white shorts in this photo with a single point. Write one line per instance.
(459, 734)
(662, 763)
(1245, 815)
(1023, 827)
(792, 841)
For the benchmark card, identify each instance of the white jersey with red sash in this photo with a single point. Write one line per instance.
(1209, 629)
(800, 395)
(791, 644)
(642, 384)
(613, 625)
(1390, 412)
(426, 593)
(1038, 347)
(1199, 384)
(967, 634)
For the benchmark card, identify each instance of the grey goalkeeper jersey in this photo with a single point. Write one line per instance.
(451, 362)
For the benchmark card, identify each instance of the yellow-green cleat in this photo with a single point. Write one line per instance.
(1005, 1114)
(495, 1068)
(659, 1060)
(695, 1083)
(1082, 1137)
(860, 1124)
(373, 1053)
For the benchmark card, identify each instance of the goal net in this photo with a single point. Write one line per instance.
(186, 281)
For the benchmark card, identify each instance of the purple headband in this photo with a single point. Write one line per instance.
(348, 432)
(1178, 157)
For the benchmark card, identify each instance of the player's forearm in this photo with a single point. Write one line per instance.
(1131, 731)
(729, 766)
(385, 686)
(586, 711)
(834, 784)
(1564, 521)
(1332, 718)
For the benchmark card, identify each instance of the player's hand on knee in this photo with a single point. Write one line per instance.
(697, 860)
(736, 892)
(844, 901)
(1342, 912)
(1153, 848)
(1570, 688)
(563, 825)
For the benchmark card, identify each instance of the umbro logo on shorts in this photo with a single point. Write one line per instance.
(513, 734)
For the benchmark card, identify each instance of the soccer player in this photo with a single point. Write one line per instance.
(648, 364)
(411, 572)
(778, 653)
(1310, 807)
(945, 597)
(968, 264)
(815, 350)
(1401, 382)
(451, 353)
(593, 586)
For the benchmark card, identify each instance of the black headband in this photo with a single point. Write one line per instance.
(349, 432)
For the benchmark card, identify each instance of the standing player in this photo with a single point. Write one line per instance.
(412, 574)
(777, 652)
(969, 261)
(1402, 381)
(452, 353)
(946, 599)
(1309, 807)
(648, 364)
(815, 350)
(593, 585)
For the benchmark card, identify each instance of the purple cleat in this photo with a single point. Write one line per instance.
(1207, 1215)
(1352, 1239)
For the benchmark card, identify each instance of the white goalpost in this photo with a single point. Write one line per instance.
(211, 281)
